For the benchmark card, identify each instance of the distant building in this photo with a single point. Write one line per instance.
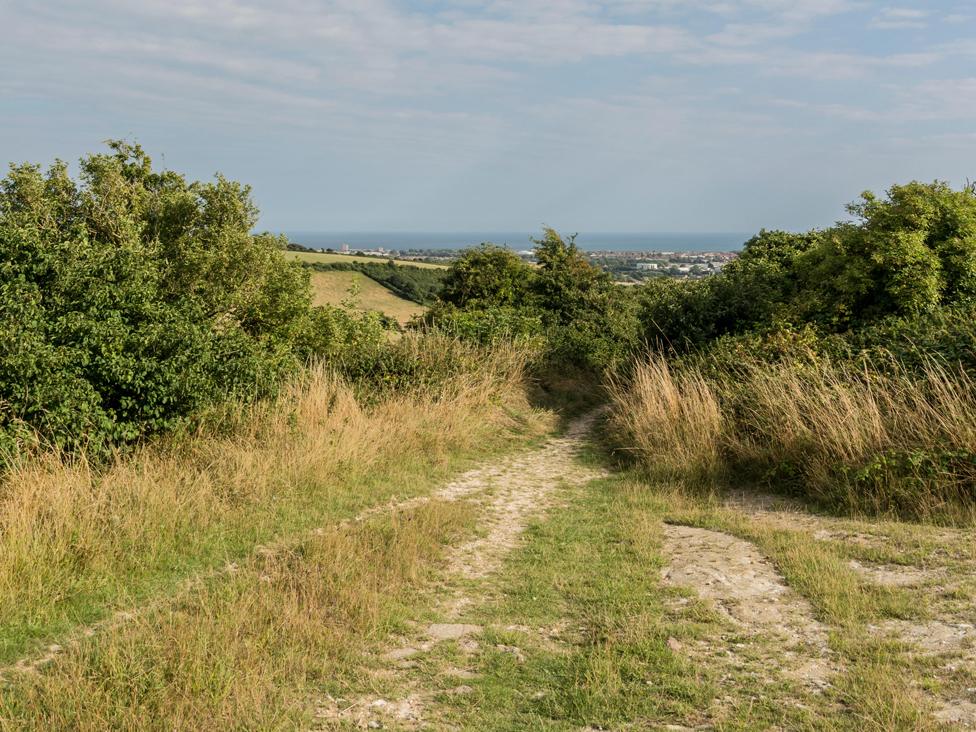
(647, 265)
(344, 249)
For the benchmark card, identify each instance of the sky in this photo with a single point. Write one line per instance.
(456, 115)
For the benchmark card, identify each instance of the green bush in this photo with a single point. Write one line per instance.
(485, 277)
(586, 321)
(132, 298)
(487, 325)
(905, 256)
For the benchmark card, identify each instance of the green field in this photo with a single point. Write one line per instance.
(332, 258)
(331, 288)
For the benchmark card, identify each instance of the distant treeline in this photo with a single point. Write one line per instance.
(417, 284)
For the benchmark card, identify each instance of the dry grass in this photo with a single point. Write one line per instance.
(872, 440)
(672, 422)
(77, 542)
(333, 288)
(252, 650)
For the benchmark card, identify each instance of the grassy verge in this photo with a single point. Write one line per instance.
(873, 439)
(77, 543)
(246, 651)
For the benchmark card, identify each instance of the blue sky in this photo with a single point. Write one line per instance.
(588, 115)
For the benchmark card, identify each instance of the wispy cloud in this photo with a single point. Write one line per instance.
(461, 85)
(900, 18)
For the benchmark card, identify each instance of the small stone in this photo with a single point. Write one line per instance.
(451, 631)
(514, 651)
(674, 644)
(401, 654)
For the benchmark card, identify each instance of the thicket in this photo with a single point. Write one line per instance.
(836, 364)
(573, 309)
(908, 255)
(132, 298)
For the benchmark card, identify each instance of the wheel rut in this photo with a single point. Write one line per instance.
(509, 495)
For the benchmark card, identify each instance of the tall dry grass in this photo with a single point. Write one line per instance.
(672, 423)
(79, 540)
(859, 439)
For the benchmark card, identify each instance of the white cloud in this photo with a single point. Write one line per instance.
(900, 18)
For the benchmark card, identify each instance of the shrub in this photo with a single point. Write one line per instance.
(587, 321)
(487, 276)
(132, 298)
(904, 256)
(488, 324)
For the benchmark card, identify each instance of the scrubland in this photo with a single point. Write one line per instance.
(225, 507)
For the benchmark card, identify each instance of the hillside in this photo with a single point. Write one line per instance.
(332, 258)
(333, 288)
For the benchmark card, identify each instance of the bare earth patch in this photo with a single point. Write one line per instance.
(891, 575)
(953, 644)
(950, 637)
(747, 589)
(510, 494)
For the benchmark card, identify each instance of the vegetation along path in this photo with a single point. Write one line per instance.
(548, 591)
(593, 599)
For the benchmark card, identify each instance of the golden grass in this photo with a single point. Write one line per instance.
(672, 423)
(331, 258)
(258, 649)
(77, 542)
(333, 288)
(872, 440)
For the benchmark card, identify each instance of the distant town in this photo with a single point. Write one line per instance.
(625, 266)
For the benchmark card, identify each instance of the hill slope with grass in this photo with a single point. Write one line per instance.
(333, 258)
(338, 287)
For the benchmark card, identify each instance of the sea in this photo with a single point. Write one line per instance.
(592, 242)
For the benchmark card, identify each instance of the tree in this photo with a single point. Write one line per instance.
(567, 283)
(486, 276)
(131, 298)
(910, 252)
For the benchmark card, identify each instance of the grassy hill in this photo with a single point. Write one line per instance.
(331, 288)
(327, 258)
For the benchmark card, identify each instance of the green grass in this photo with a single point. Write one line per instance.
(330, 258)
(579, 630)
(333, 288)
(593, 572)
